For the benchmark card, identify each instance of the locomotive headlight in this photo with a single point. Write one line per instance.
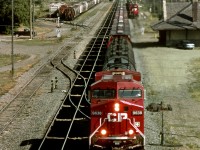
(103, 132)
(130, 132)
(116, 106)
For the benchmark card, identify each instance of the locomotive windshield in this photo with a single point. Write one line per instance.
(103, 93)
(134, 93)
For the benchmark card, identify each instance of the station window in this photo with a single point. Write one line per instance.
(103, 93)
(134, 93)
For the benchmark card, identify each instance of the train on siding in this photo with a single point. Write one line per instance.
(133, 9)
(117, 95)
(69, 12)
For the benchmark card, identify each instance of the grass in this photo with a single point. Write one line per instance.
(193, 146)
(194, 86)
(172, 141)
(150, 91)
(8, 81)
(6, 59)
(39, 42)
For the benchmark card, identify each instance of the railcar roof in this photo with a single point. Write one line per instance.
(120, 28)
(121, 23)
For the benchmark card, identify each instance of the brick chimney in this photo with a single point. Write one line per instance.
(194, 10)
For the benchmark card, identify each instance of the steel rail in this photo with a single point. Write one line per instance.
(8, 116)
(97, 57)
(49, 136)
(93, 66)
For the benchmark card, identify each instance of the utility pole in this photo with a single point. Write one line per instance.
(31, 20)
(12, 47)
(164, 10)
(162, 126)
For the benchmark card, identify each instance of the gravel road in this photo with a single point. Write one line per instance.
(166, 77)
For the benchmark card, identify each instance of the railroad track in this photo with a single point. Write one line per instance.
(70, 126)
(12, 109)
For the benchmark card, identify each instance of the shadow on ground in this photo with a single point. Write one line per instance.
(147, 44)
(33, 142)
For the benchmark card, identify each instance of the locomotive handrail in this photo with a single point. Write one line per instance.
(101, 124)
(97, 129)
(136, 128)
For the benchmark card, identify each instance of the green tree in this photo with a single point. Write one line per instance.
(21, 14)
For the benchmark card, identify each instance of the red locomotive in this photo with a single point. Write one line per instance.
(133, 9)
(117, 95)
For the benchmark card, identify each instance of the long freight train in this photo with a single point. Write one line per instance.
(117, 95)
(68, 12)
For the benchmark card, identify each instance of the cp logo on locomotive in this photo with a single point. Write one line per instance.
(116, 117)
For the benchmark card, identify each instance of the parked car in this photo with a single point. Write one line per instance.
(186, 44)
(25, 32)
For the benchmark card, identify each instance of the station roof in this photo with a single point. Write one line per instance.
(179, 19)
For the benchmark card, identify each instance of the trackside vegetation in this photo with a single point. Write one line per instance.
(7, 81)
(21, 12)
(194, 87)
